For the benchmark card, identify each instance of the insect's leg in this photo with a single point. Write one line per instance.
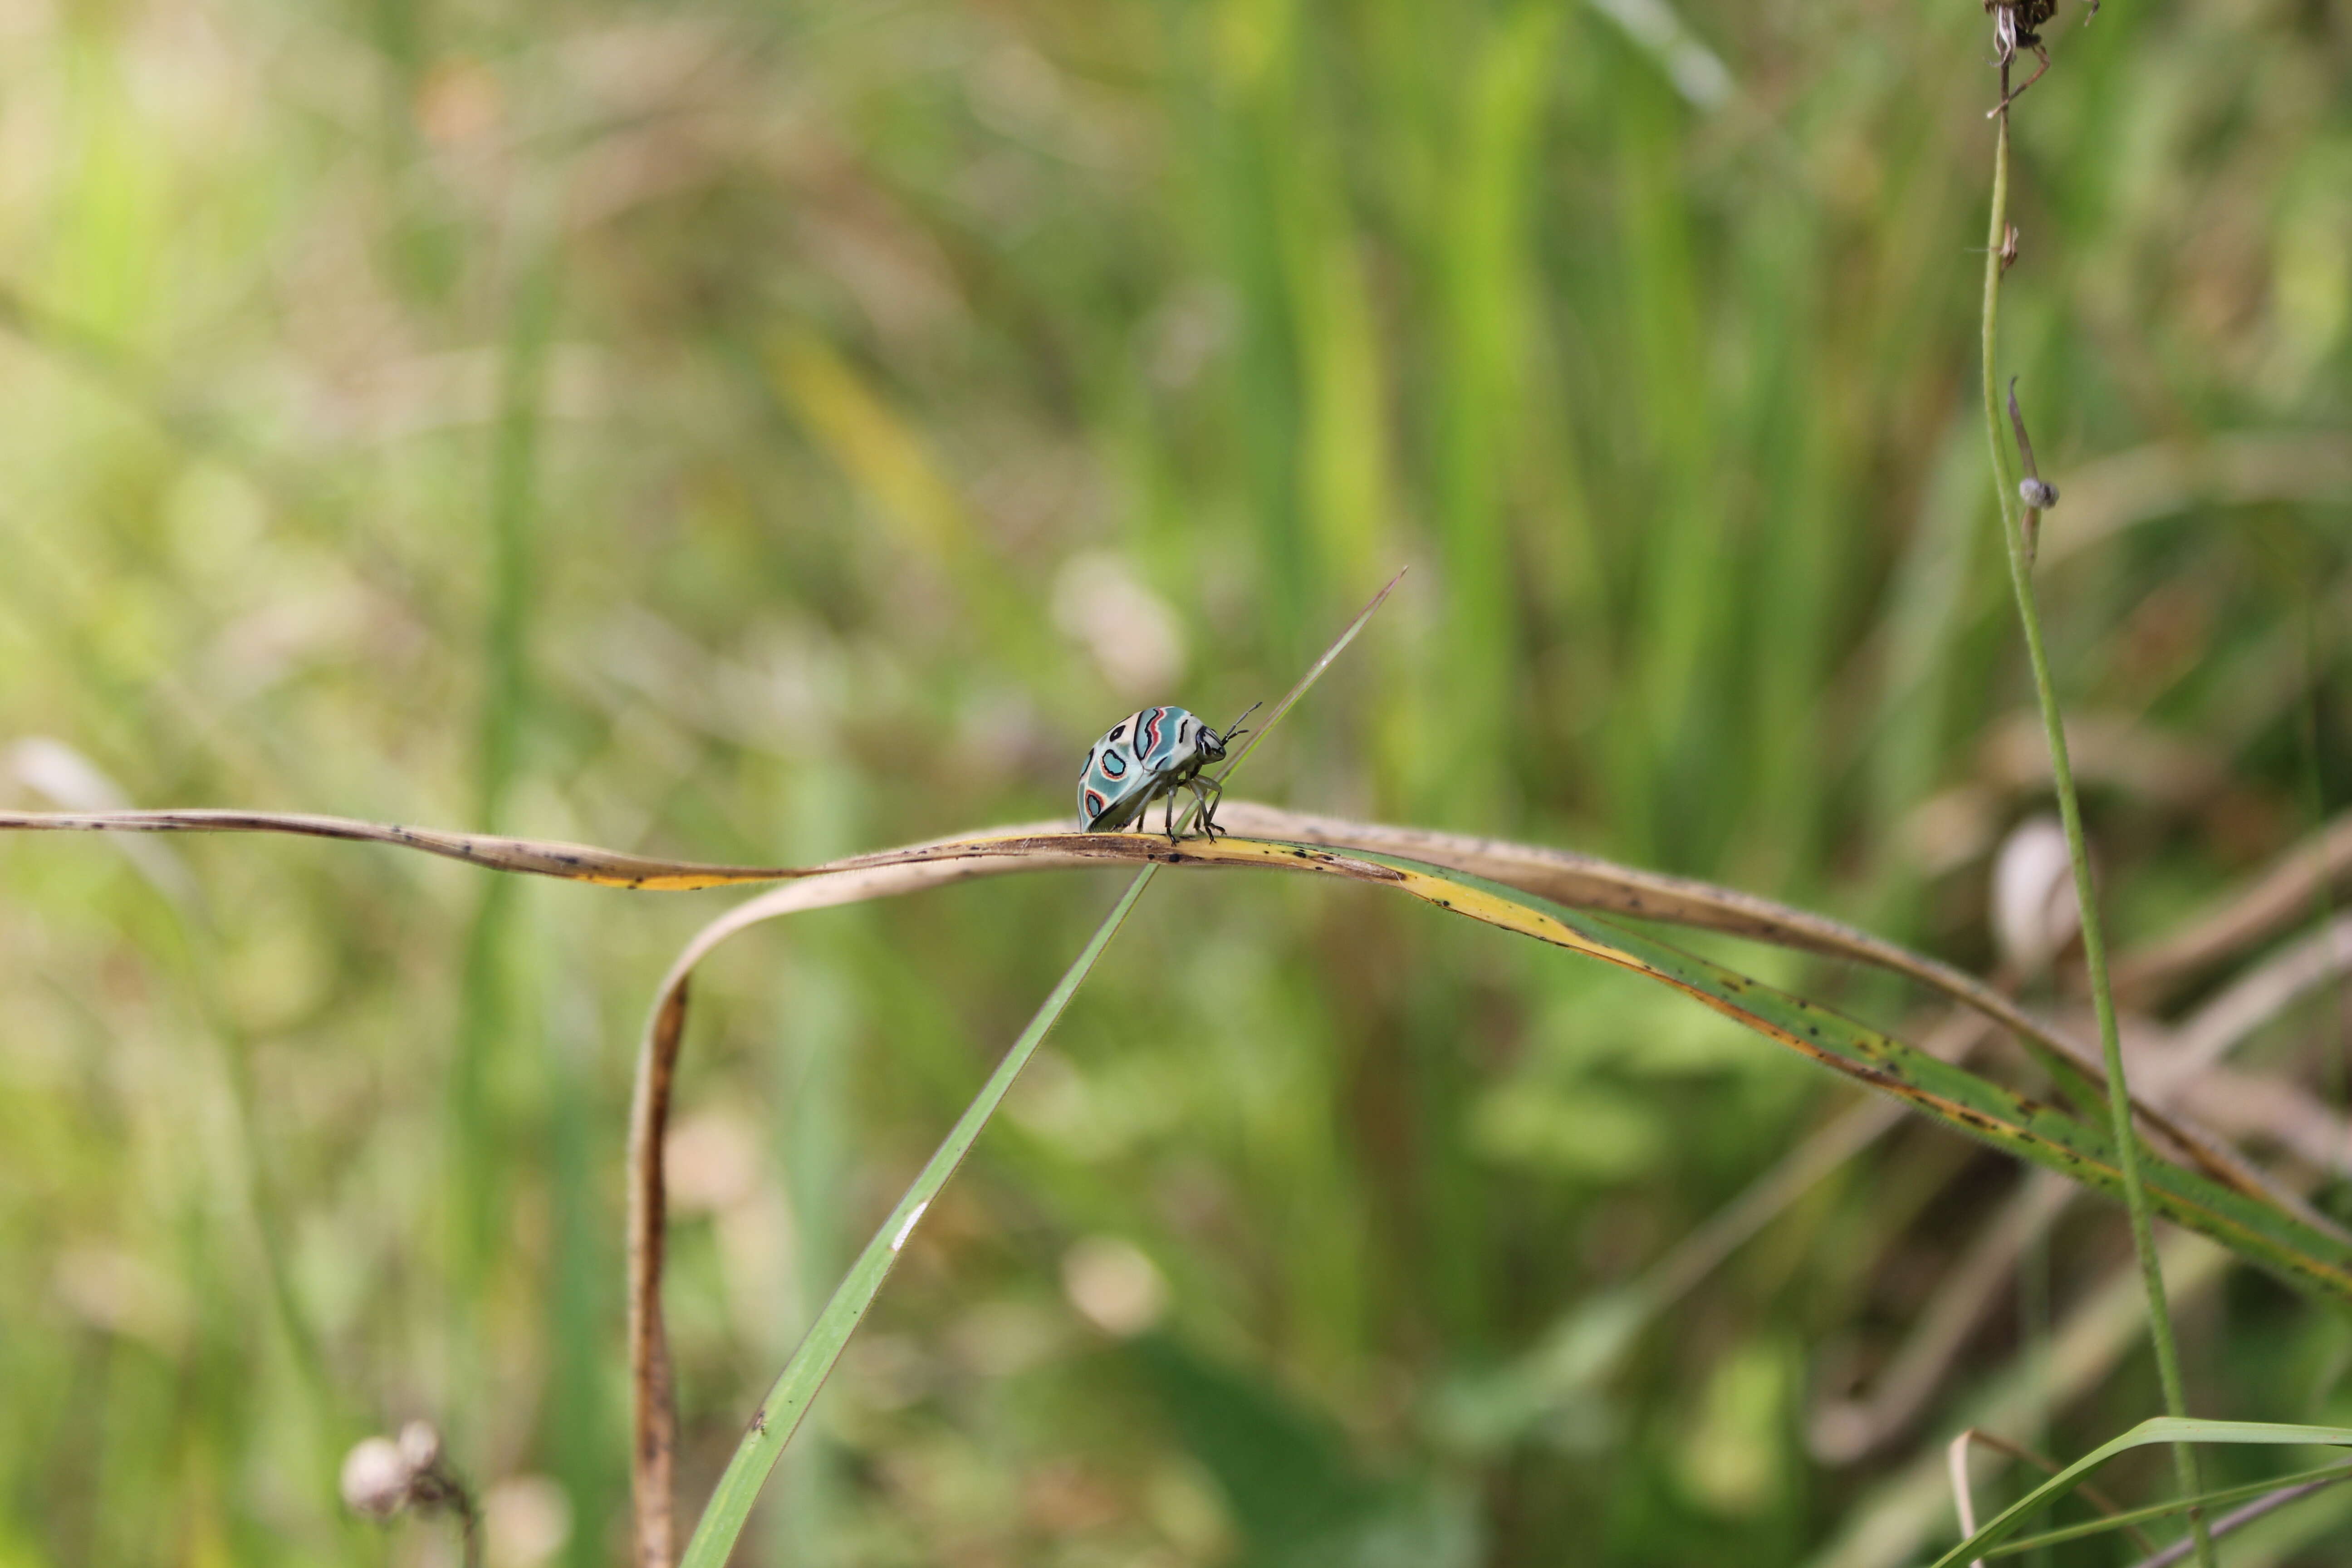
(2039, 71)
(1210, 794)
(1168, 820)
(1195, 826)
(2042, 52)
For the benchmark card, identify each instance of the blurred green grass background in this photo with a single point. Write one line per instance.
(766, 433)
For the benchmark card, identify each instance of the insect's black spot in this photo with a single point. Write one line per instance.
(1117, 730)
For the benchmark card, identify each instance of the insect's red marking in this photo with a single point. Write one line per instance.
(1147, 733)
(1095, 804)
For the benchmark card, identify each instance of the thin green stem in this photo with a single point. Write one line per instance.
(2015, 534)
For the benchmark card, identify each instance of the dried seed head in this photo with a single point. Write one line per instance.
(2039, 494)
(376, 1477)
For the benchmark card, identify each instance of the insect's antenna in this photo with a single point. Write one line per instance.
(1237, 727)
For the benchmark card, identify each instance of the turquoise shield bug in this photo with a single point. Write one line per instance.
(1148, 755)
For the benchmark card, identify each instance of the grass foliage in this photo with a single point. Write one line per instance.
(759, 436)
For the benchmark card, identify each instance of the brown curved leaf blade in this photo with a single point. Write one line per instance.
(2254, 1228)
(536, 857)
(1579, 880)
(1586, 881)
(2251, 1225)
(1595, 883)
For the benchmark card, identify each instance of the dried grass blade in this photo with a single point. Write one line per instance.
(1578, 880)
(1585, 881)
(542, 858)
(2281, 897)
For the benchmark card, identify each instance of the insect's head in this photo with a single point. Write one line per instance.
(1214, 744)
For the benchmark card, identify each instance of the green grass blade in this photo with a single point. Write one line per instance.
(788, 1401)
(2024, 1543)
(1314, 673)
(2161, 1430)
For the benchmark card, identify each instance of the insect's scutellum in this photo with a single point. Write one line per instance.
(1148, 756)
